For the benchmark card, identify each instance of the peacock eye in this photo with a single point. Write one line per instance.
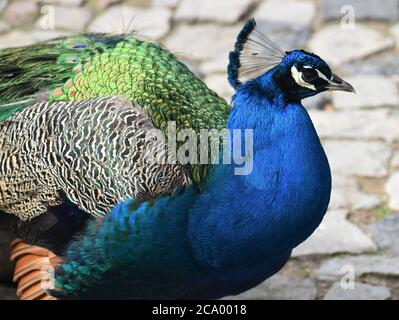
(309, 75)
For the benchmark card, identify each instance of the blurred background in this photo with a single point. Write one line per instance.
(354, 254)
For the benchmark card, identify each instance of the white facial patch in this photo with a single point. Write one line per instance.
(298, 79)
(319, 73)
(322, 76)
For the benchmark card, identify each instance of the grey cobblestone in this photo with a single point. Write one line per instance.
(392, 190)
(346, 194)
(225, 11)
(278, 15)
(19, 38)
(360, 158)
(64, 15)
(335, 235)
(4, 27)
(384, 64)
(153, 23)
(63, 2)
(387, 10)
(360, 42)
(395, 160)
(395, 32)
(165, 3)
(371, 92)
(20, 12)
(222, 39)
(361, 291)
(386, 234)
(334, 268)
(371, 124)
(281, 287)
(218, 83)
(103, 4)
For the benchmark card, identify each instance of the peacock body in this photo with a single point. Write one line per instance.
(219, 236)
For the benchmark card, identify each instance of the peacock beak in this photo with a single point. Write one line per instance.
(338, 84)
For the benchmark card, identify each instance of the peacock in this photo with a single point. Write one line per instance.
(73, 139)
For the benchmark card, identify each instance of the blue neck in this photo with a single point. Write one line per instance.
(282, 201)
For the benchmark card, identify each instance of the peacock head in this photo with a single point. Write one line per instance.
(298, 74)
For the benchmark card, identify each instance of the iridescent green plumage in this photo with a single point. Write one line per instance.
(89, 66)
(27, 71)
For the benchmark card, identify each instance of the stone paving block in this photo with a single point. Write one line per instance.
(386, 234)
(338, 46)
(378, 124)
(280, 287)
(68, 18)
(395, 160)
(285, 15)
(219, 83)
(19, 38)
(395, 32)
(392, 190)
(361, 291)
(225, 11)
(165, 3)
(387, 10)
(194, 41)
(335, 235)
(360, 158)
(153, 23)
(384, 64)
(4, 27)
(3, 4)
(371, 92)
(64, 2)
(20, 12)
(335, 268)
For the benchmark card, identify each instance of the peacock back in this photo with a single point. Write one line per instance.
(87, 66)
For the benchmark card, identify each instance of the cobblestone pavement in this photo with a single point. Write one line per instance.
(354, 254)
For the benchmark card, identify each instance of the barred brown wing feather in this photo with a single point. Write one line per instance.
(92, 150)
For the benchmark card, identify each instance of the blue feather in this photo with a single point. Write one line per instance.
(234, 56)
(253, 55)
